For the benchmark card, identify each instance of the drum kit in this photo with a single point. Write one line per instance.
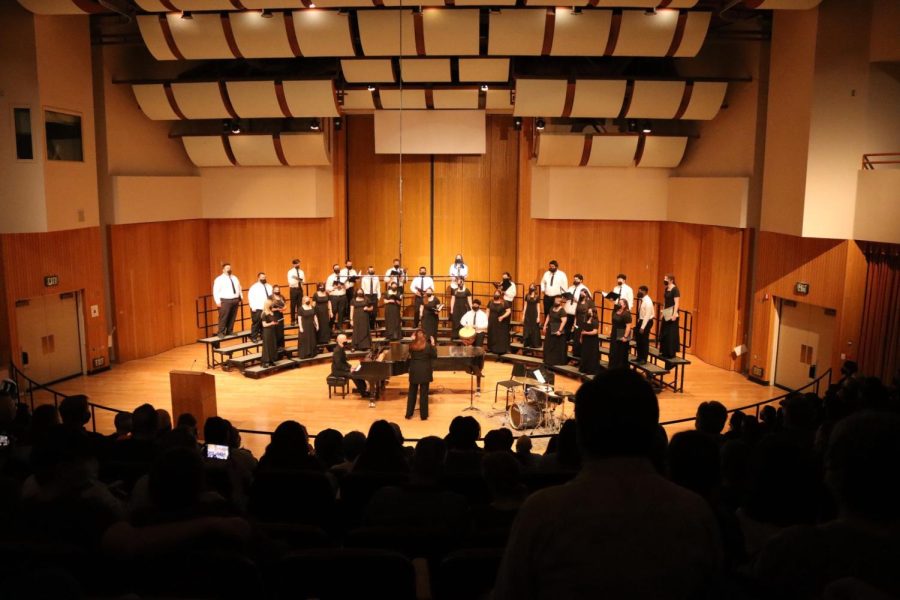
(538, 409)
(467, 336)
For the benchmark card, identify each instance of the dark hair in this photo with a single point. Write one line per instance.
(463, 434)
(226, 264)
(554, 263)
(644, 289)
(498, 440)
(144, 420)
(122, 421)
(353, 444)
(621, 276)
(296, 261)
(73, 410)
(418, 343)
(431, 454)
(670, 277)
(617, 414)
(260, 273)
(216, 430)
(711, 417)
(329, 445)
(579, 276)
(694, 462)
(476, 302)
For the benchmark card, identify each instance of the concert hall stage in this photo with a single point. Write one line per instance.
(302, 395)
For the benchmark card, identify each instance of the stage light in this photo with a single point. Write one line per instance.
(484, 87)
(517, 123)
(632, 126)
(539, 124)
(186, 14)
(312, 4)
(371, 88)
(338, 124)
(235, 127)
(646, 127)
(265, 13)
(650, 12)
(576, 10)
(314, 126)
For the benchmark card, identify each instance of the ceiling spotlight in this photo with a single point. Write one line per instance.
(312, 5)
(484, 87)
(539, 124)
(265, 13)
(338, 124)
(650, 12)
(371, 88)
(646, 127)
(229, 126)
(417, 10)
(576, 10)
(315, 125)
(632, 126)
(517, 123)
(186, 14)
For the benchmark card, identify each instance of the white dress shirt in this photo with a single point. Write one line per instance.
(458, 270)
(571, 306)
(226, 287)
(295, 277)
(510, 294)
(420, 283)
(389, 276)
(553, 284)
(258, 294)
(477, 320)
(346, 275)
(330, 282)
(370, 285)
(624, 291)
(647, 311)
(575, 290)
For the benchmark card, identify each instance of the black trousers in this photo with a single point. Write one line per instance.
(255, 324)
(346, 315)
(479, 339)
(227, 312)
(373, 300)
(296, 298)
(548, 304)
(338, 304)
(642, 341)
(417, 305)
(422, 389)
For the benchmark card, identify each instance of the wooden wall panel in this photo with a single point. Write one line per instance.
(373, 203)
(75, 256)
(680, 247)
(782, 261)
(157, 272)
(718, 296)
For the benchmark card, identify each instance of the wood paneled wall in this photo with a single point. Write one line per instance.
(157, 272)
(835, 271)
(75, 256)
(473, 210)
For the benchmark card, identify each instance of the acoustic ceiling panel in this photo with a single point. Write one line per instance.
(200, 100)
(408, 100)
(483, 69)
(451, 32)
(199, 37)
(694, 35)
(153, 101)
(154, 39)
(344, 4)
(56, 7)
(397, 3)
(706, 100)
(368, 71)
(646, 34)
(517, 32)
(254, 150)
(272, 4)
(498, 101)
(206, 151)
(482, 3)
(629, 3)
(612, 151)
(420, 70)
(258, 37)
(380, 32)
(358, 100)
(682, 4)
(311, 98)
(159, 6)
(323, 33)
(655, 99)
(662, 152)
(254, 99)
(582, 34)
(784, 4)
(540, 97)
(305, 149)
(598, 98)
(560, 150)
(455, 99)
(554, 3)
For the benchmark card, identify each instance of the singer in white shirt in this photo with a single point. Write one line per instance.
(419, 284)
(508, 287)
(395, 273)
(478, 320)
(349, 275)
(295, 279)
(553, 283)
(371, 287)
(227, 296)
(646, 316)
(458, 269)
(622, 290)
(257, 295)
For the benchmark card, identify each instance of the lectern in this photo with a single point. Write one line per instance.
(193, 392)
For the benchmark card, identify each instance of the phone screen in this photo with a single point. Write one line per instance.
(4, 440)
(217, 451)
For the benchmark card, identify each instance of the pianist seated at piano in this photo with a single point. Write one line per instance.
(340, 366)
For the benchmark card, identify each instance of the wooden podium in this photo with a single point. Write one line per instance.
(193, 392)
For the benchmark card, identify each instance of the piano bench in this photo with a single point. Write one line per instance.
(338, 385)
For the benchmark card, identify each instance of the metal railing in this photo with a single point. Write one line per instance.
(685, 321)
(883, 158)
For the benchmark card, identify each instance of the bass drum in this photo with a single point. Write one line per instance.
(524, 415)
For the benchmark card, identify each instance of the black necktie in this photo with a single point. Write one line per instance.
(552, 275)
(231, 281)
(298, 275)
(421, 283)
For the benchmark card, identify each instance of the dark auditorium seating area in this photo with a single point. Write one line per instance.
(804, 502)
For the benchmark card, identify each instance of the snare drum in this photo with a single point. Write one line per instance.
(524, 415)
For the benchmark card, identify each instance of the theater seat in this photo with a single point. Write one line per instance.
(342, 573)
(467, 574)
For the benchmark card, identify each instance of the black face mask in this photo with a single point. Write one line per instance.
(496, 296)
(665, 283)
(422, 273)
(263, 280)
(396, 265)
(459, 261)
(371, 272)
(552, 269)
(337, 270)
(640, 295)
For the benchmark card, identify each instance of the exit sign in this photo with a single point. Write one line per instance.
(801, 287)
(51, 280)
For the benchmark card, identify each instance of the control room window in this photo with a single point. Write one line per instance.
(22, 120)
(63, 136)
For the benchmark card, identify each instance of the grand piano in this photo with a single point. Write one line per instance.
(394, 361)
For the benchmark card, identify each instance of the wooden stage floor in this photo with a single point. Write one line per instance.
(301, 394)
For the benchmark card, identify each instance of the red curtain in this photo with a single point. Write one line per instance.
(879, 339)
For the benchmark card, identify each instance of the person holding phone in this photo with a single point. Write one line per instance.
(421, 353)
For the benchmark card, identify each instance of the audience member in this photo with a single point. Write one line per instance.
(329, 446)
(289, 449)
(618, 529)
(498, 440)
(383, 452)
(463, 453)
(526, 457)
(188, 422)
(711, 418)
(566, 458)
(163, 422)
(122, 422)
